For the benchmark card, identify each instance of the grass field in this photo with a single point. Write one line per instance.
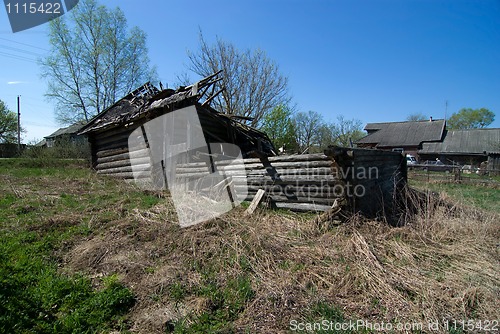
(82, 253)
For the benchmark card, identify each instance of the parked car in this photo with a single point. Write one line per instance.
(411, 160)
(437, 166)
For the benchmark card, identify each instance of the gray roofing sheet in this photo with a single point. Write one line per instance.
(410, 133)
(73, 128)
(473, 141)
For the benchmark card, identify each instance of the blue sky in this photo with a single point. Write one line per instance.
(375, 61)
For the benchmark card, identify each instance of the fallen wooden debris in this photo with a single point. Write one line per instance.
(255, 202)
(329, 214)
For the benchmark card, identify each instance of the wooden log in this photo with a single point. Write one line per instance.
(325, 192)
(283, 165)
(280, 158)
(181, 170)
(136, 168)
(124, 162)
(116, 131)
(255, 202)
(268, 180)
(106, 153)
(280, 171)
(192, 165)
(124, 136)
(135, 154)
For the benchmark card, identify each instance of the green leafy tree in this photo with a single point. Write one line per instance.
(279, 127)
(468, 118)
(8, 124)
(94, 60)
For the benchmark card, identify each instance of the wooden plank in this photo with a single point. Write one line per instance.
(284, 199)
(255, 202)
(303, 207)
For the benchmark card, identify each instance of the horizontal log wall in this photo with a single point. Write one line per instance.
(299, 182)
(113, 158)
(369, 180)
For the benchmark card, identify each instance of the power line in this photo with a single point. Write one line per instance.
(21, 50)
(25, 44)
(40, 124)
(18, 57)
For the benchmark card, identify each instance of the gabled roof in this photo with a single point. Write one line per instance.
(473, 141)
(72, 129)
(402, 134)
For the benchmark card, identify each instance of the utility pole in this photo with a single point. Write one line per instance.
(19, 124)
(446, 110)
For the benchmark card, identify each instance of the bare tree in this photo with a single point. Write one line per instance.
(416, 117)
(94, 60)
(308, 127)
(253, 83)
(346, 131)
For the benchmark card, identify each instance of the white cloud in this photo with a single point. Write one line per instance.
(15, 82)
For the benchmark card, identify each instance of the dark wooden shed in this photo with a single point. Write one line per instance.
(108, 132)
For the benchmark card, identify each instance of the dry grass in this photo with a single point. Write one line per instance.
(444, 265)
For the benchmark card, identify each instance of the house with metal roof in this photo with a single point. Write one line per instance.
(405, 137)
(471, 146)
(67, 134)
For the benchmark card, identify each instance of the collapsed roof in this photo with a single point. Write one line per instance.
(147, 102)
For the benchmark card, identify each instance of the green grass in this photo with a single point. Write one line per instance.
(43, 207)
(225, 302)
(484, 197)
(36, 298)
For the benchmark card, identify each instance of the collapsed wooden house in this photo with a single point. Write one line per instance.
(108, 133)
(368, 181)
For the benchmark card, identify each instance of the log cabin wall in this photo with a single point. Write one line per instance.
(370, 182)
(111, 154)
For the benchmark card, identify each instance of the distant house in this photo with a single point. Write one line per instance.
(471, 146)
(64, 135)
(405, 137)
